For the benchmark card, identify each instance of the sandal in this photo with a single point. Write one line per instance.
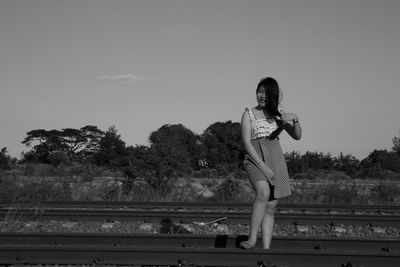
(246, 245)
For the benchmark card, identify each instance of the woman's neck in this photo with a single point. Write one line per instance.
(263, 112)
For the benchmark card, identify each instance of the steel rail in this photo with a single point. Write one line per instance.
(191, 240)
(188, 216)
(233, 257)
(378, 209)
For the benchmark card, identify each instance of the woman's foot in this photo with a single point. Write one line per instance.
(247, 244)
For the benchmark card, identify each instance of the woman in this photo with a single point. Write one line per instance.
(264, 161)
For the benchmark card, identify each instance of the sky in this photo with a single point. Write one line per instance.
(138, 65)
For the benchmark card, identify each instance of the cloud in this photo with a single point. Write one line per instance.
(128, 78)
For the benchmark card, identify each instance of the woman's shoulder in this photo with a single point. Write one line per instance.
(248, 112)
(249, 109)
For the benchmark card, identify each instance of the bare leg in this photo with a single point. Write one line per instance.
(267, 224)
(258, 209)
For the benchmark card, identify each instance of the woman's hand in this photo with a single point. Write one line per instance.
(294, 130)
(286, 117)
(267, 171)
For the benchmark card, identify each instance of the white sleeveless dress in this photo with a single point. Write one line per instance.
(271, 153)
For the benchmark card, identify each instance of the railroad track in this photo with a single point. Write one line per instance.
(191, 250)
(187, 214)
(193, 240)
(322, 208)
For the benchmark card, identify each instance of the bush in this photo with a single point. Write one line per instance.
(144, 192)
(161, 186)
(328, 175)
(337, 176)
(110, 191)
(45, 170)
(205, 173)
(110, 173)
(239, 174)
(186, 192)
(221, 170)
(29, 169)
(385, 194)
(387, 175)
(303, 193)
(43, 190)
(8, 188)
(333, 193)
(337, 194)
(5, 159)
(230, 190)
(58, 157)
(309, 175)
(87, 171)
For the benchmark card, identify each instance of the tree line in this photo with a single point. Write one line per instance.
(176, 151)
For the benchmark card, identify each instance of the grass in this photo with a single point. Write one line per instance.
(330, 193)
(334, 191)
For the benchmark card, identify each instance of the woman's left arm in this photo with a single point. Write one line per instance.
(294, 128)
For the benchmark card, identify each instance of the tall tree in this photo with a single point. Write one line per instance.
(317, 161)
(74, 142)
(4, 159)
(347, 164)
(294, 162)
(178, 147)
(223, 144)
(396, 144)
(47, 142)
(378, 161)
(93, 136)
(112, 151)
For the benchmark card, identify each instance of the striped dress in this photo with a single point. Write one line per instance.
(271, 153)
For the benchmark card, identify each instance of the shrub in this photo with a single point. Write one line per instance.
(337, 176)
(5, 159)
(44, 170)
(186, 192)
(109, 191)
(8, 188)
(230, 190)
(310, 175)
(29, 170)
(42, 190)
(58, 157)
(337, 194)
(239, 174)
(205, 173)
(144, 192)
(87, 171)
(221, 170)
(303, 193)
(333, 193)
(384, 194)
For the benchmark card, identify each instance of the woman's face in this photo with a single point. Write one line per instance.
(261, 97)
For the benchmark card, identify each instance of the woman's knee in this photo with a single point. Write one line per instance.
(270, 208)
(262, 192)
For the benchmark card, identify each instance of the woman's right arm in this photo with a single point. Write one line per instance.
(249, 148)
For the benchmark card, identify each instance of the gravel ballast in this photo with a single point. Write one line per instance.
(166, 226)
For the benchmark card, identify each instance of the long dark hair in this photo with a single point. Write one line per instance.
(271, 88)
